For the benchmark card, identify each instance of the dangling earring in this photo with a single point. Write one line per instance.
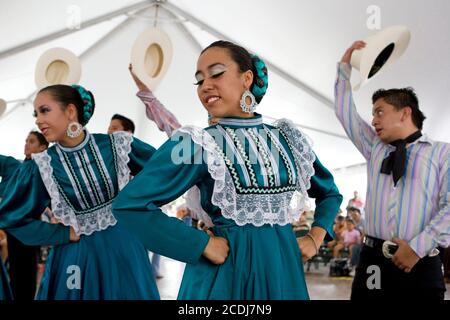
(74, 129)
(249, 108)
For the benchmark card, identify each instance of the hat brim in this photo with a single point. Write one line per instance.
(382, 50)
(151, 56)
(57, 66)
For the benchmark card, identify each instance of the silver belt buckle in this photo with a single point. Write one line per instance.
(385, 248)
(368, 242)
(434, 252)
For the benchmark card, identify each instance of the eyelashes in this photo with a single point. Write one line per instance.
(42, 110)
(215, 76)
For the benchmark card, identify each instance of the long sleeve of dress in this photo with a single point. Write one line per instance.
(328, 198)
(156, 112)
(7, 167)
(164, 178)
(24, 201)
(140, 154)
(6, 164)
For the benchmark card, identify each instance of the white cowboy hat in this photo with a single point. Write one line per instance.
(382, 49)
(150, 56)
(57, 66)
(2, 107)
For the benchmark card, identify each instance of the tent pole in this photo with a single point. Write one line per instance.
(354, 168)
(186, 32)
(336, 135)
(67, 31)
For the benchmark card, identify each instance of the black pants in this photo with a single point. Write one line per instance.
(445, 258)
(425, 281)
(22, 269)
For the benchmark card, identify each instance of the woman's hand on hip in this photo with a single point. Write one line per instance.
(216, 250)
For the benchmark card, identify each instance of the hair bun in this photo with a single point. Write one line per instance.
(88, 103)
(261, 81)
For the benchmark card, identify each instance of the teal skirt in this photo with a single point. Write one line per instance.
(5, 290)
(106, 265)
(264, 263)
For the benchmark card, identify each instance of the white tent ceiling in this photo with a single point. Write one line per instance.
(301, 40)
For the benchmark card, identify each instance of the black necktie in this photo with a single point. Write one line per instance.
(395, 162)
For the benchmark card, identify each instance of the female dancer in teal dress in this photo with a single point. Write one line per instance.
(79, 176)
(254, 180)
(22, 258)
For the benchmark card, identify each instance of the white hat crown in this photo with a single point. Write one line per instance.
(57, 66)
(151, 56)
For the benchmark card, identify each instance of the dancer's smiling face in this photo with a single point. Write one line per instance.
(220, 83)
(52, 118)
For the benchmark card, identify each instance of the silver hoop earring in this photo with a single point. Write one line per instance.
(249, 108)
(74, 129)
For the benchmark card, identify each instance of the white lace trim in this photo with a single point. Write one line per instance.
(256, 209)
(192, 199)
(122, 143)
(304, 156)
(87, 223)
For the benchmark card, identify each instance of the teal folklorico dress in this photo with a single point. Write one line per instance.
(8, 166)
(253, 179)
(80, 184)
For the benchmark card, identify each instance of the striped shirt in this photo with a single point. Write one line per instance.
(156, 112)
(417, 210)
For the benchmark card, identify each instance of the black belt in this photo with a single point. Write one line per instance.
(387, 247)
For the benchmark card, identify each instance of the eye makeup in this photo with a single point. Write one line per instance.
(214, 71)
(42, 109)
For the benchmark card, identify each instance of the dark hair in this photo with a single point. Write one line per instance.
(246, 62)
(401, 98)
(127, 124)
(66, 95)
(348, 219)
(40, 137)
(354, 209)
